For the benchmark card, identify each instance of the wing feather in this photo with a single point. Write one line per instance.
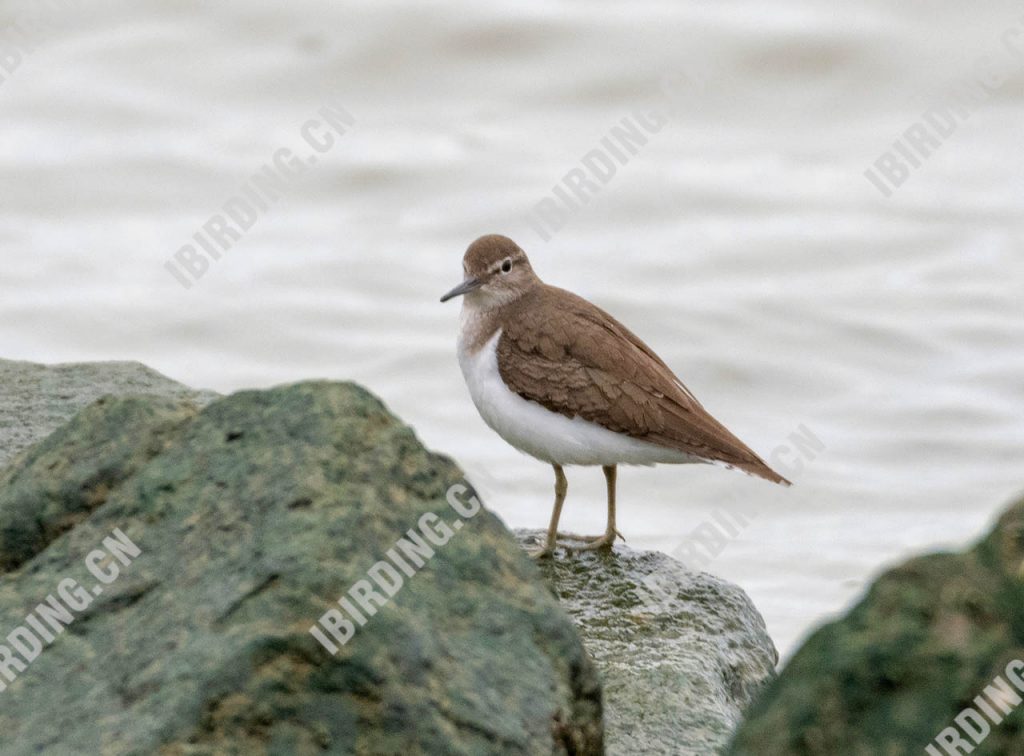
(575, 359)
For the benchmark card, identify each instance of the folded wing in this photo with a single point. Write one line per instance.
(575, 359)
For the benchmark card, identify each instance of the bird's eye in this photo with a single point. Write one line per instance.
(506, 266)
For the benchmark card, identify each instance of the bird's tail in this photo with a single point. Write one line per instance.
(759, 468)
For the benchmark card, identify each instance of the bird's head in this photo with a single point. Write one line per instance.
(497, 272)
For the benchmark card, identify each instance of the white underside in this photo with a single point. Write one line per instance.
(550, 437)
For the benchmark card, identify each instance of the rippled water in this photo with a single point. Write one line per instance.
(743, 241)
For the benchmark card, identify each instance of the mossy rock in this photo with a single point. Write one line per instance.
(681, 653)
(253, 516)
(886, 679)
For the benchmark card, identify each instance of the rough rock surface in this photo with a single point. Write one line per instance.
(927, 639)
(37, 399)
(679, 663)
(253, 516)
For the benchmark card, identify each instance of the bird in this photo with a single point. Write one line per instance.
(561, 380)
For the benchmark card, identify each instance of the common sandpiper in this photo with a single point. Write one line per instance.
(563, 381)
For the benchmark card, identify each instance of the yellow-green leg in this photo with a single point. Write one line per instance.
(561, 490)
(611, 532)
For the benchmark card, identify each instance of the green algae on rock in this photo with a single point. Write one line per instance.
(253, 515)
(927, 639)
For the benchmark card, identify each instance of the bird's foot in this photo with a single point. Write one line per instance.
(543, 552)
(542, 548)
(583, 539)
(589, 539)
(601, 543)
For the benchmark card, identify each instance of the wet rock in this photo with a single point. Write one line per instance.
(252, 517)
(681, 654)
(928, 638)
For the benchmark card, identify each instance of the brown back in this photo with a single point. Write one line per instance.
(561, 351)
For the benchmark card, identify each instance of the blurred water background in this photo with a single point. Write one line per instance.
(743, 241)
